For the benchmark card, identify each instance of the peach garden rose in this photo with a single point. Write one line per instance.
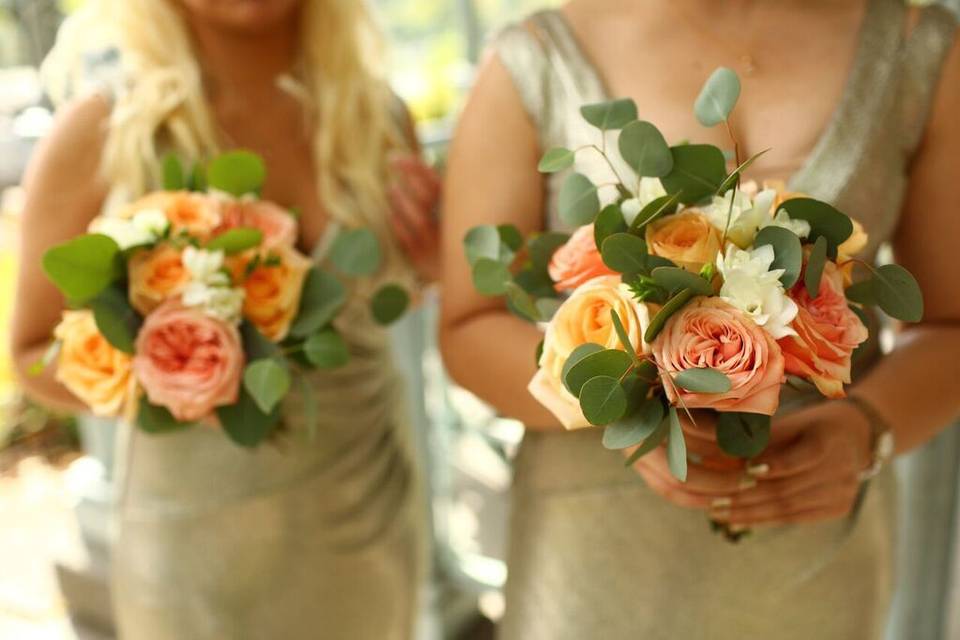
(582, 318)
(188, 361)
(709, 332)
(278, 226)
(155, 276)
(91, 368)
(687, 239)
(273, 289)
(577, 261)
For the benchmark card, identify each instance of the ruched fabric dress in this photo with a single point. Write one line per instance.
(314, 536)
(595, 554)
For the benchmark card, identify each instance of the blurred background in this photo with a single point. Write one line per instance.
(55, 485)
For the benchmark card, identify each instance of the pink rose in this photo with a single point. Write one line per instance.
(187, 361)
(708, 332)
(577, 261)
(278, 226)
(827, 334)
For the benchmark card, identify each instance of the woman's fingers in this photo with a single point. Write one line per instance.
(419, 230)
(700, 483)
(830, 499)
(423, 183)
(798, 456)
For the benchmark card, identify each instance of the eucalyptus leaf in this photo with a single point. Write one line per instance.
(237, 173)
(323, 296)
(703, 380)
(486, 241)
(84, 266)
(491, 277)
(606, 362)
(198, 178)
(579, 353)
(510, 236)
(608, 222)
(235, 240)
(673, 305)
(255, 344)
(624, 253)
(736, 174)
(635, 427)
(652, 442)
(815, 264)
(155, 419)
(898, 293)
(522, 303)
(556, 159)
(116, 319)
(267, 381)
(548, 307)
(825, 221)
(698, 171)
(326, 349)
(645, 150)
(603, 400)
(661, 206)
(245, 423)
(717, 98)
(173, 176)
(543, 246)
(743, 435)
(356, 252)
(863, 292)
(536, 282)
(675, 279)
(613, 114)
(578, 201)
(623, 337)
(389, 304)
(787, 250)
(676, 447)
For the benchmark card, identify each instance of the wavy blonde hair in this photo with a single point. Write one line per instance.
(160, 104)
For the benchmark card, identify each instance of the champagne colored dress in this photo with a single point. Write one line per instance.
(314, 536)
(597, 555)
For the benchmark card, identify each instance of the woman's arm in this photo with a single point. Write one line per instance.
(492, 179)
(64, 193)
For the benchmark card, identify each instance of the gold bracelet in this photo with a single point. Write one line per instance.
(881, 437)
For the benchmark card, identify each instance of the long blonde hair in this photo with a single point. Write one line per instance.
(160, 104)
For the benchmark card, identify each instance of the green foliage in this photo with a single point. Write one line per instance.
(491, 277)
(676, 447)
(898, 293)
(555, 160)
(703, 380)
(237, 173)
(663, 205)
(522, 303)
(614, 114)
(578, 200)
(652, 442)
(542, 248)
(487, 241)
(743, 435)
(734, 177)
(623, 337)
(675, 279)
(510, 236)
(613, 363)
(815, 264)
(155, 419)
(173, 175)
(624, 253)
(608, 222)
(825, 221)
(578, 354)
(255, 345)
(603, 400)
(84, 266)
(673, 305)
(236, 240)
(267, 381)
(245, 423)
(326, 349)
(323, 296)
(116, 320)
(389, 304)
(645, 150)
(862, 293)
(635, 427)
(698, 171)
(356, 252)
(787, 250)
(717, 98)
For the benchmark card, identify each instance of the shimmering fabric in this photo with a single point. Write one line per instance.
(312, 536)
(595, 553)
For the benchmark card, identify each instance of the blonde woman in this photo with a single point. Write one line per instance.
(315, 535)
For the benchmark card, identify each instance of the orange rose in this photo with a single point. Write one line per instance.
(156, 275)
(193, 213)
(687, 239)
(584, 317)
(708, 332)
(273, 289)
(91, 368)
(577, 261)
(827, 334)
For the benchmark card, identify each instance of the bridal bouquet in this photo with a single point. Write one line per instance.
(193, 305)
(690, 290)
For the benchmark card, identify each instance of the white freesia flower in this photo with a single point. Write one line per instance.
(746, 215)
(152, 221)
(751, 286)
(650, 190)
(223, 302)
(783, 219)
(203, 265)
(122, 231)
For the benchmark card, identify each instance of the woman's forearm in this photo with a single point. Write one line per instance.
(42, 386)
(493, 355)
(916, 388)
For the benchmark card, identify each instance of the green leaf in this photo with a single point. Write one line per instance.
(644, 149)
(734, 175)
(661, 206)
(536, 282)
(237, 173)
(155, 419)
(356, 252)
(825, 221)
(623, 337)
(703, 380)
(676, 447)
(578, 201)
(651, 443)
(255, 344)
(815, 264)
(634, 428)
(673, 305)
(743, 435)
(49, 355)
(898, 293)
(84, 266)
(614, 114)
(606, 362)
(389, 304)
(326, 350)
(608, 222)
(578, 354)
(267, 381)
(862, 292)
(542, 248)
(698, 171)
(173, 176)
(490, 277)
(522, 303)
(486, 241)
(548, 307)
(245, 423)
(198, 178)
(323, 296)
(539, 353)
(236, 240)
(624, 253)
(717, 98)
(603, 400)
(510, 236)
(116, 319)
(675, 279)
(787, 250)
(556, 159)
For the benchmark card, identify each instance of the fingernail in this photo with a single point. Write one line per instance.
(760, 469)
(747, 482)
(721, 502)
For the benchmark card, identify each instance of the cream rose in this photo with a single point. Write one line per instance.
(584, 317)
(687, 239)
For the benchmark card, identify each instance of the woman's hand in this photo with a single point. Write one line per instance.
(810, 473)
(414, 198)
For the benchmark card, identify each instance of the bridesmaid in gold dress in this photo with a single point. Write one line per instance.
(312, 536)
(858, 99)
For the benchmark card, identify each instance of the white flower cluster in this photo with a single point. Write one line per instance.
(144, 228)
(750, 285)
(210, 287)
